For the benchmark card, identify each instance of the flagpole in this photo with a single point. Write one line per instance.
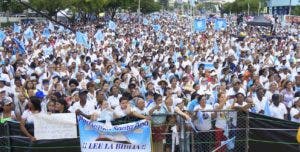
(248, 8)
(139, 13)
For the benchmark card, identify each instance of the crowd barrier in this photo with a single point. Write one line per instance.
(245, 132)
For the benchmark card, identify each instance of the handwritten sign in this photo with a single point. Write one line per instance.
(55, 126)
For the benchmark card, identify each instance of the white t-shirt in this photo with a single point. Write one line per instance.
(139, 111)
(27, 115)
(259, 105)
(206, 124)
(88, 109)
(293, 112)
(114, 101)
(222, 117)
(120, 112)
(278, 112)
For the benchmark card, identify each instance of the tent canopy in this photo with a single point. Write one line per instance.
(260, 21)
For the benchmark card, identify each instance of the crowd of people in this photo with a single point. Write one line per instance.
(141, 71)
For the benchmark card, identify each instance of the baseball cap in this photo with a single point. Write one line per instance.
(7, 100)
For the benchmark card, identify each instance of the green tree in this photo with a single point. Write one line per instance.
(87, 7)
(51, 6)
(148, 6)
(207, 6)
(13, 6)
(239, 6)
(296, 10)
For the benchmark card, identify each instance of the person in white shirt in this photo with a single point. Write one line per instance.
(221, 118)
(277, 108)
(124, 109)
(203, 123)
(295, 111)
(113, 100)
(82, 107)
(259, 101)
(140, 107)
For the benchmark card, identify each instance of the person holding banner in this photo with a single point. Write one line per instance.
(82, 107)
(124, 109)
(34, 105)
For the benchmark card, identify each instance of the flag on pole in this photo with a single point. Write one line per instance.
(229, 143)
(112, 25)
(28, 33)
(99, 36)
(220, 23)
(51, 26)
(46, 33)
(82, 38)
(200, 25)
(17, 28)
(2, 36)
(20, 45)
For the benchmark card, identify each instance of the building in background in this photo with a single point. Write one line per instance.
(281, 7)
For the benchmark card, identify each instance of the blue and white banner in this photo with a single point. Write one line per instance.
(97, 136)
(220, 24)
(200, 25)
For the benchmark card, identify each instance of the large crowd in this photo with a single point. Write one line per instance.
(138, 70)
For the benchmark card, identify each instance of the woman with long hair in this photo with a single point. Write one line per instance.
(221, 119)
(34, 107)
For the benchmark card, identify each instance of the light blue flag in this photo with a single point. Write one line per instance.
(61, 29)
(51, 26)
(200, 25)
(267, 109)
(99, 36)
(220, 23)
(82, 39)
(192, 3)
(200, 116)
(145, 21)
(208, 65)
(28, 33)
(156, 27)
(229, 143)
(2, 37)
(155, 16)
(112, 25)
(46, 33)
(20, 44)
(17, 28)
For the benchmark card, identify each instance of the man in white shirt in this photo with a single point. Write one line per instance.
(82, 107)
(113, 100)
(277, 108)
